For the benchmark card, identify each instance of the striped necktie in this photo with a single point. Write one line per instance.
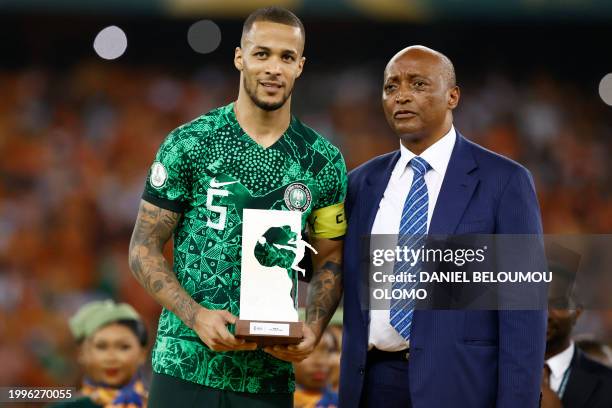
(413, 227)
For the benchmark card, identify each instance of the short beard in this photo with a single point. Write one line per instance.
(268, 107)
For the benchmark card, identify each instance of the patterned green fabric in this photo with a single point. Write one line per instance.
(210, 170)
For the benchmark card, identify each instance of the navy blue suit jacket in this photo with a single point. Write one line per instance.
(472, 359)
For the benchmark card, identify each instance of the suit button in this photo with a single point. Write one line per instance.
(361, 370)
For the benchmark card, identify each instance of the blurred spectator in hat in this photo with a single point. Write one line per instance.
(112, 349)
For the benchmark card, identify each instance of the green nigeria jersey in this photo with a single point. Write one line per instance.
(210, 171)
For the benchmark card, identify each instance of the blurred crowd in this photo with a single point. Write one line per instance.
(76, 144)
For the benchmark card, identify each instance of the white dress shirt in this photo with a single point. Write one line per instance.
(558, 364)
(382, 335)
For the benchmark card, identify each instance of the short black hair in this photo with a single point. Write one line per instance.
(274, 14)
(138, 328)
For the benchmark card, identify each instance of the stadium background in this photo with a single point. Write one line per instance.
(78, 133)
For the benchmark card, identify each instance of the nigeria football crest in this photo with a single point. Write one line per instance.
(159, 175)
(297, 197)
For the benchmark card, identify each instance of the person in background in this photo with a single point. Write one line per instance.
(112, 349)
(570, 378)
(312, 376)
(335, 329)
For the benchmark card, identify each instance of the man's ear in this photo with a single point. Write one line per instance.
(301, 63)
(577, 313)
(238, 58)
(453, 97)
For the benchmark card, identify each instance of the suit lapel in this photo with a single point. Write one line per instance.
(580, 384)
(456, 191)
(455, 194)
(376, 183)
(371, 194)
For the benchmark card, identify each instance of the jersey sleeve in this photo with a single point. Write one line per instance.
(327, 219)
(168, 179)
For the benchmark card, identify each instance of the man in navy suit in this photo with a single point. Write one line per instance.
(438, 182)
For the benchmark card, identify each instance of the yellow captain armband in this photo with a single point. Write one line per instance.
(328, 222)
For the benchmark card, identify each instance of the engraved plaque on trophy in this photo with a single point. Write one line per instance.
(272, 247)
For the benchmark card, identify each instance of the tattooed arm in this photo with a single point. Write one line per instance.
(324, 293)
(325, 289)
(154, 227)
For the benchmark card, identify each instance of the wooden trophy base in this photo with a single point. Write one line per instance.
(266, 333)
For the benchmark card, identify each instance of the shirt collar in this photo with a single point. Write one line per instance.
(437, 155)
(560, 362)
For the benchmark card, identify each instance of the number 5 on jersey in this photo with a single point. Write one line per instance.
(211, 193)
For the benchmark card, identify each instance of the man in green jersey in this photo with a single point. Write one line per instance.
(250, 154)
